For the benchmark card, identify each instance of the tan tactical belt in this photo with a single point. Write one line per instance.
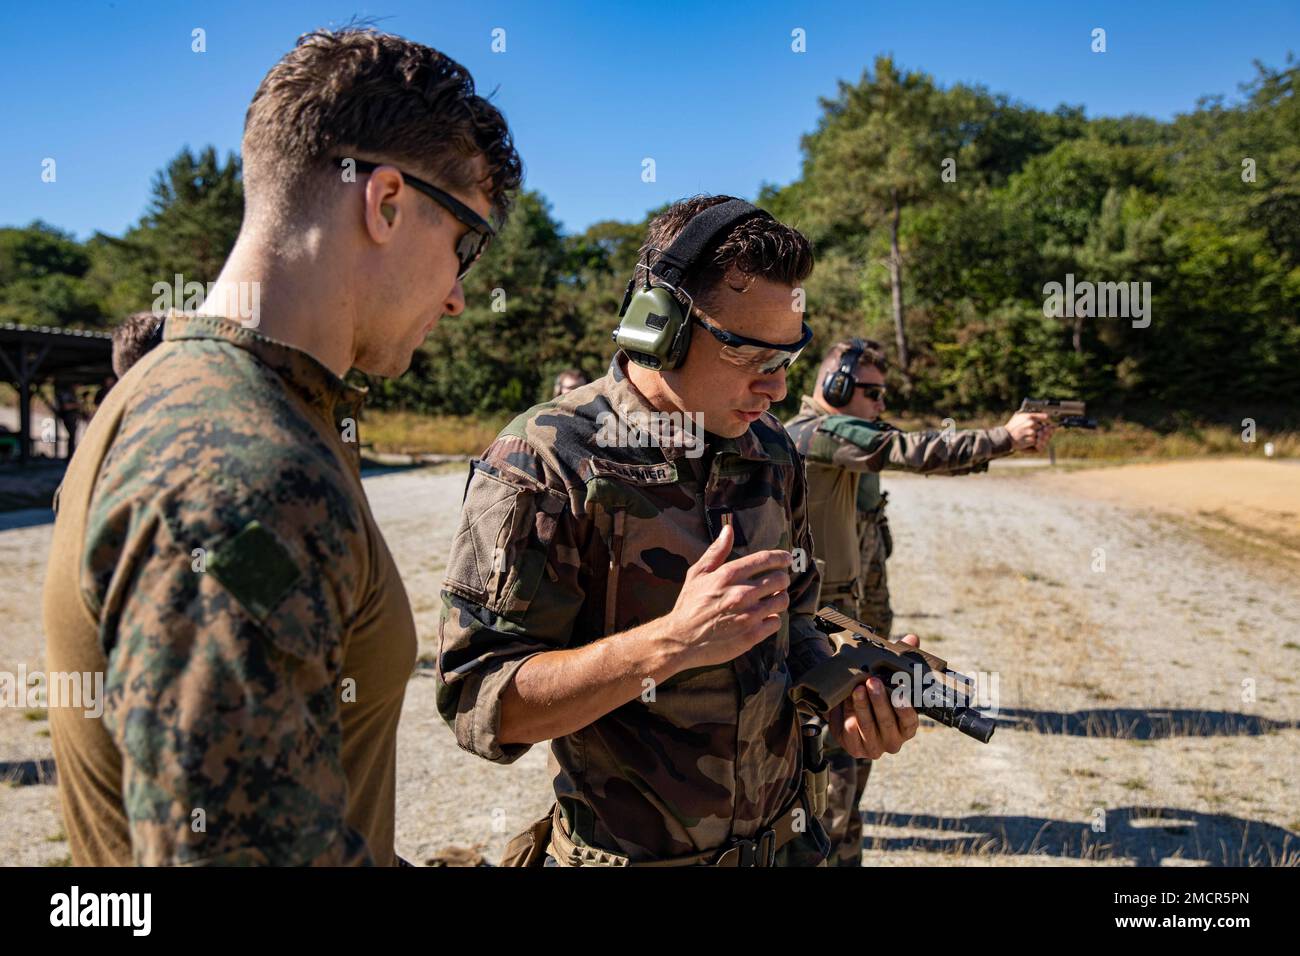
(759, 851)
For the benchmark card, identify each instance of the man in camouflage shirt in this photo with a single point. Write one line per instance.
(636, 603)
(214, 556)
(845, 450)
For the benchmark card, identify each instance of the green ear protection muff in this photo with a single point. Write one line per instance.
(838, 387)
(654, 327)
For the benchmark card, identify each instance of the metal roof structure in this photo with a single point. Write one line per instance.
(33, 354)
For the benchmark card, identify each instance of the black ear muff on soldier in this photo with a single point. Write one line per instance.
(837, 390)
(654, 326)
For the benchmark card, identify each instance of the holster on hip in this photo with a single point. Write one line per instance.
(886, 536)
(529, 848)
(816, 768)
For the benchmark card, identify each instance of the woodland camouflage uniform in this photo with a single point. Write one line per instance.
(566, 537)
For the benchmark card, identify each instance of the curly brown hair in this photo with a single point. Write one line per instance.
(759, 247)
(356, 90)
(138, 334)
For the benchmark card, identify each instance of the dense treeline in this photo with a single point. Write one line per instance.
(939, 217)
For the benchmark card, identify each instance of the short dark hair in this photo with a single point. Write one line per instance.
(873, 354)
(356, 90)
(761, 247)
(136, 335)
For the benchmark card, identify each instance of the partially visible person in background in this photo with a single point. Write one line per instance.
(136, 335)
(10, 448)
(67, 406)
(101, 393)
(567, 381)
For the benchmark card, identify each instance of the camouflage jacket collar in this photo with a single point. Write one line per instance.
(634, 409)
(808, 408)
(318, 385)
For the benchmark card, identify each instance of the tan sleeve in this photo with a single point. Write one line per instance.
(951, 453)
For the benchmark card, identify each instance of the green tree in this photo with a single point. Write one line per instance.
(42, 278)
(194, 214)
(877, 150)
(189, 227)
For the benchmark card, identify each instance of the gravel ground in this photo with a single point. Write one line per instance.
(1147, 706)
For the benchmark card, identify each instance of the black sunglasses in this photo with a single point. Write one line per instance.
(471, 245)
(754, 354)
(872, 391)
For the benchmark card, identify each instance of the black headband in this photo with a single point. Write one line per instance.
(698, 234)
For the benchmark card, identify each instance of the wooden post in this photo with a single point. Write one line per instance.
(24, 408)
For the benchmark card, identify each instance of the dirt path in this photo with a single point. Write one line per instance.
(1251, 500)
(1145, 680)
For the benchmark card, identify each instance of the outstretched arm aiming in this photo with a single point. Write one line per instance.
(855, 444)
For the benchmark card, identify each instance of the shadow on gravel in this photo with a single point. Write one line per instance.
(1134, 724)
(370, 466)
(25, 773)
(30, 487)
(1144, 835)
(25, 518)
(373, 469)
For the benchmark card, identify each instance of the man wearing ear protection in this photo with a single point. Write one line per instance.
(845, 444)
(624, 581)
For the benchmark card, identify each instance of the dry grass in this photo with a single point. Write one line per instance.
(1127, 440)
(414, 433)
(410, 433)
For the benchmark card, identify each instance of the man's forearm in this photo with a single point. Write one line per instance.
(558, 692)
(948, 452)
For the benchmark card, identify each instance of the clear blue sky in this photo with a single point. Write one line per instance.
(712, 92)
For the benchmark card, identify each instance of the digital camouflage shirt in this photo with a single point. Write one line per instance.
(566, 537)
(215, 558)
(839, 449)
